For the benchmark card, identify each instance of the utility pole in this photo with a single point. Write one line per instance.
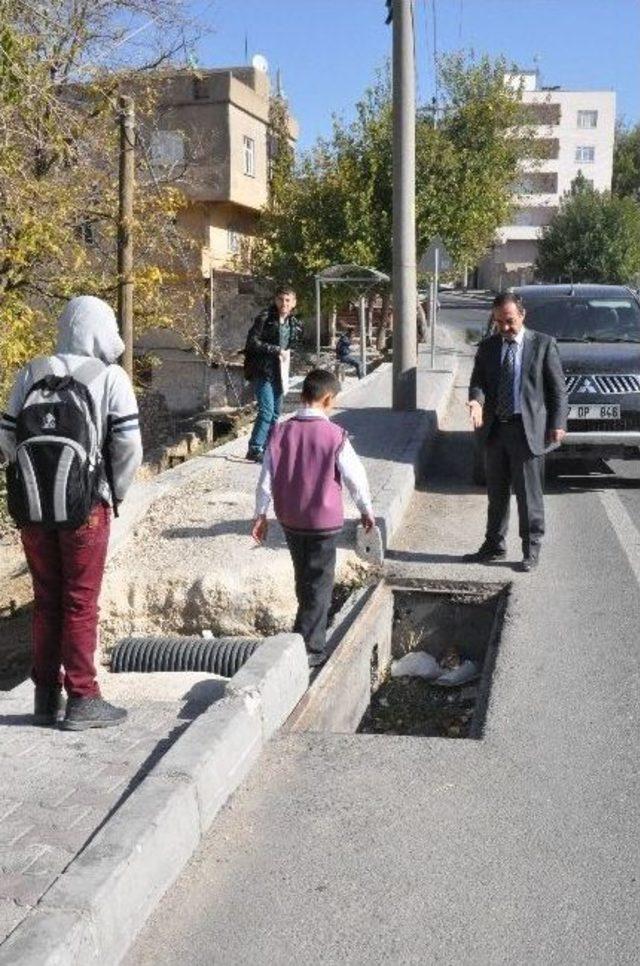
(405, 353)
(125, 229)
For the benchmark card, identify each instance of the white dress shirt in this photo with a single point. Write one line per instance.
(352, 472)
(517, 375)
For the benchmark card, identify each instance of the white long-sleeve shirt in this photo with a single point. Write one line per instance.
(352, 473)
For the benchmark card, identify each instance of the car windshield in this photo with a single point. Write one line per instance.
(574, 319)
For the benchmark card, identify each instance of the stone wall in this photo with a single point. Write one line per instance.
(157, 425)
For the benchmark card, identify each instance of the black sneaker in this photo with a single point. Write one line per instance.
(48, 706)
(83, 713)
(530, 560)
(485, 553)
(316, 658)
(254, 456)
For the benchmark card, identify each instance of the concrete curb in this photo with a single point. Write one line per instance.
(95, 909)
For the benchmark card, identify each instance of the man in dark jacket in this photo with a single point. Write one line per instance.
(270, 337)
(518, 401)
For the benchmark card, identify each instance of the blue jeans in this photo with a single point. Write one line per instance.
(352, 360)
(269, 399)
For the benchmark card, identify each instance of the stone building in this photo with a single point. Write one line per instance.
(211, 138)
(577, 130)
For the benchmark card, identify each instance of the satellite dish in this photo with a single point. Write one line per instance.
(260, 63)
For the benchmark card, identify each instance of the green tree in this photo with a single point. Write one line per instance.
(595, 237)
(626, 162)
(336, 205)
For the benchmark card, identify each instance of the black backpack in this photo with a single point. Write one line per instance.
(55, 478)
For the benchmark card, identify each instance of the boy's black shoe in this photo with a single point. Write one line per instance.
(316, 658)
(530, 560)
(254, 455)
(486, 552)
(83, 713)
(48, 706)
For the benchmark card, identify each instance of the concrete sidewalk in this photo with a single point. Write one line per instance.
(63, 794)
(190, 564)
(520, 849)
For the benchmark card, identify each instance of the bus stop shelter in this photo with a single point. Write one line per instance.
(362, 279)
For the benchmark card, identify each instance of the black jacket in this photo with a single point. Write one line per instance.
(544, 394)
(343, 347)
(262, 349)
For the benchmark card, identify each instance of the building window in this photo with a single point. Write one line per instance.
(85, 231)
(200, 88)
(537, 183)
(167, 148)
(249, 146)
(233, 240)
(540, 113)
(586, 154)
(587, 118)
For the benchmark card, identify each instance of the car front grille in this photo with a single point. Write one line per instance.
(603, 385)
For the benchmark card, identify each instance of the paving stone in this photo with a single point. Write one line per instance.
(59, 787)
(10, 915)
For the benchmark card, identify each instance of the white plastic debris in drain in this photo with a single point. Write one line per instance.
(465, 672)
(416, 664)
(369, 545)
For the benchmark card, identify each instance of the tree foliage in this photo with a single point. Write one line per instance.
(59, 79)
(595, 237)
(626, 162)
(336, 207)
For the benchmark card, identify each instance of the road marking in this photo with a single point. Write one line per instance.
(624, 527)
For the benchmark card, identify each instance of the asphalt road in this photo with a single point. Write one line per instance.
(520, 848)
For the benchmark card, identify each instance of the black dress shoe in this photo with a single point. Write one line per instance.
(83, 713)
(48, 706)
(485, 553)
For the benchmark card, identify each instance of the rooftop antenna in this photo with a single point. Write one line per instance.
(246, 47)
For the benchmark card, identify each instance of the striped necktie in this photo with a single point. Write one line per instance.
(504, 408)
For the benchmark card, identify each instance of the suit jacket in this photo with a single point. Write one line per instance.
(544, 394)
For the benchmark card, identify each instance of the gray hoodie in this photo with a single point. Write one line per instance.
(87, 328)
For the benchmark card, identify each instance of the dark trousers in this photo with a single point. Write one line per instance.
(512, 465)
(67, 567)
(314, 566)
(352, 360)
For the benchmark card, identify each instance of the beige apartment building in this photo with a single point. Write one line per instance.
(577, 128)
(211, 139)
(212, 135)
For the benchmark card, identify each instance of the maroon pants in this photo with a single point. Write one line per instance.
(67, 568)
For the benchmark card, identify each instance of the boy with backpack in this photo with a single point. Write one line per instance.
(307, 460)
(72, 438)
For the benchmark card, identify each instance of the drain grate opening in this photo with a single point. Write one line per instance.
(455, 631)
(451, 631)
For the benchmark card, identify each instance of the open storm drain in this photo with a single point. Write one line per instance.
(418, 660)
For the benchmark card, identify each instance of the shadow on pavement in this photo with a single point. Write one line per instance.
(15, 720)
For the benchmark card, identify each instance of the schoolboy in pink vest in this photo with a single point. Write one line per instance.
(307, 460)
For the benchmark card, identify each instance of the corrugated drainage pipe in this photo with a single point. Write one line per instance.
(222, 655)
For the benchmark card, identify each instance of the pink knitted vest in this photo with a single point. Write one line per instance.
(307, 492)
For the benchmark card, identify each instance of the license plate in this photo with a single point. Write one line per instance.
(594, 412)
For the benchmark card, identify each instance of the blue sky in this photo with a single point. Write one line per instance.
(328, 50)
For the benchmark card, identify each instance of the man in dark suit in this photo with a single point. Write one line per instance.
(518, 401)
